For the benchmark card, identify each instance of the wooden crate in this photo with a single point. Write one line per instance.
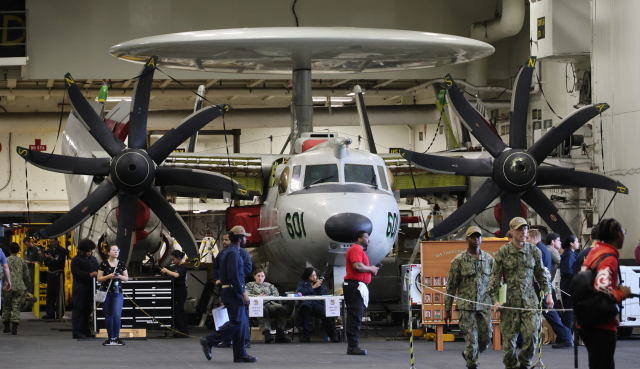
(125, 333)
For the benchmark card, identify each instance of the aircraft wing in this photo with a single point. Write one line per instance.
(250, 170)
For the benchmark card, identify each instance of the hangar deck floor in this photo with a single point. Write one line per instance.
(42, 344)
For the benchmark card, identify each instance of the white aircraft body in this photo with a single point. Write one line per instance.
(319, 195)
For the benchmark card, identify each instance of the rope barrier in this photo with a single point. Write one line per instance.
(490, 305)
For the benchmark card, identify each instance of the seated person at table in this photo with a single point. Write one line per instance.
(310, 285)
(271, 307)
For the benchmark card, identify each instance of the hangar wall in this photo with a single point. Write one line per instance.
(72, 36)
(615, 78)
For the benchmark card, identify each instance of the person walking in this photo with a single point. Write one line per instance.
(55, 260)
(84, 268)
(519, 263)
(270, 307)
(14, 299)
(111, 273)
(5, 284)
(32, 256)
(356, 292)
(235, 298)
(247, 266)
(179, 273)
(601, 339)
(469, 279)
(567, 260)
(563, 334)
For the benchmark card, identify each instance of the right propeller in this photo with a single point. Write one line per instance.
(515, 172)
(133, 172)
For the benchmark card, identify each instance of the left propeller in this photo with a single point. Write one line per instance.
(132, 171)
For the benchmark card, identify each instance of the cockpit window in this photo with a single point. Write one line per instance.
(360, 174)
(383, 178)
(323, 173)
(295, 178)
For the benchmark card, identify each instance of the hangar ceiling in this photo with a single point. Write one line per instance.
(21, 96)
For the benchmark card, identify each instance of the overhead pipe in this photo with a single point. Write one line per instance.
(507, 25)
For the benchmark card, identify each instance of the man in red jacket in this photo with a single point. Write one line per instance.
(601, 339)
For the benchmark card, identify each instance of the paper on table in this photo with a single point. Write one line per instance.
(220, 316)
(502, 298)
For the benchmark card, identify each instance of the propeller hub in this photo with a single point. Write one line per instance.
(132, 170)
(515, 170)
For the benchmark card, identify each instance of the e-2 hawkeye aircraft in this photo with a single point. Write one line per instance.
(316, 196)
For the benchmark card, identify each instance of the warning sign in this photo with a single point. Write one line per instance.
(38, 146)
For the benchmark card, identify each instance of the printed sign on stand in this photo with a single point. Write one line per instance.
(255, 307)
(332, 306)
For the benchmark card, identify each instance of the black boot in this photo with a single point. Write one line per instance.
(280, 337)
(14, 328)
(7, 327)
(267, 336)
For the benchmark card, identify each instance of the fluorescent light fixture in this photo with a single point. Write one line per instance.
(339, 105)
(333, 99)
(117, 98)
(351, 93)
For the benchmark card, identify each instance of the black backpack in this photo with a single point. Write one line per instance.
(591, 307)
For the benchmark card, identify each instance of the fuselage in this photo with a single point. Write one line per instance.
(312, 224)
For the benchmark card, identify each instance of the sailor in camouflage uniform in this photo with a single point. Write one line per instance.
(469, 277)
(15, 298)
(271, 308)
(519, 262)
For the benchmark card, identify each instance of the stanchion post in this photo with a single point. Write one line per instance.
(407, 284)
(36, 291)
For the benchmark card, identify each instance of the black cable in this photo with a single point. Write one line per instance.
(8, 179)
(486, 230)
(233, 195)
(566, 79)
(601, 144)
(605, 210)
(293, 9)
(545, 97)
(434, 136)
(497, 97)
(3, 108)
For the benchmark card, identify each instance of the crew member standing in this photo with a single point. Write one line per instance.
(356, 293)
(15, 298)
(518, 262)
(32, 256)
(469, 277)
(235, 297)
(55, 258)
(179, 273)
(84, 268)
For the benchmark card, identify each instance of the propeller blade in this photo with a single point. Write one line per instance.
(535, 198)
(198, 179)
(510, 209)
(90, 119)
(127, 212)
(474, 122)
(520, 105)
(448, 165)
(140, 106)
(554, 136)
(174, 223)
(369, 144)
(66, 164)
(177, 135)
(86, 208)
(578, 178)
(472, 207)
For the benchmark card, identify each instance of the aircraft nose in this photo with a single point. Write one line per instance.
(341, 227)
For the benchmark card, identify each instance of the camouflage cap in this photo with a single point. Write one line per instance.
(473, 230)
(517, 222)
